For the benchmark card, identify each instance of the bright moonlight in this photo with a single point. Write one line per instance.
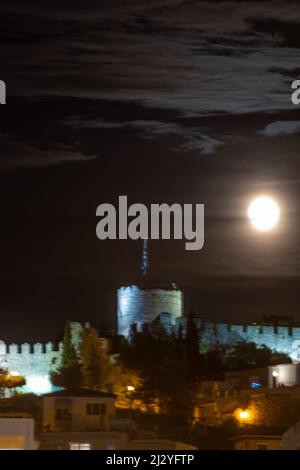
(263, 213)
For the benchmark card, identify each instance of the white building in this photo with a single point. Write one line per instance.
(17, 434)
(78, 410)
(284, 375)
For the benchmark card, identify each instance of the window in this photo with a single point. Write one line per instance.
(63, 415)
(80, 446)
(95, 409)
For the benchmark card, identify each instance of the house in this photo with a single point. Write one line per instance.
(111, 440)
(275, 376)
(250, 378)
(284, 375)
(82, 419)
(17, 434)
(158, 444)
(83, 440)
(259, 441)
(78, 410)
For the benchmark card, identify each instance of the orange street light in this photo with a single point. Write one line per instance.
(244, 416)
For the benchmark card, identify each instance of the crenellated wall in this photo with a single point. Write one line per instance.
(36, 361)
(278, 338)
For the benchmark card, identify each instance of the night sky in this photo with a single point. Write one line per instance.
(163, 101)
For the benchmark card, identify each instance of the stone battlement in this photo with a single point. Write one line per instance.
(284, 339)
(36, 361)
(32, 348)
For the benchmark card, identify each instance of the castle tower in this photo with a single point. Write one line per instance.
(142, 303)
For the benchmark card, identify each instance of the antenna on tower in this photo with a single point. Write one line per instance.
(145, 258)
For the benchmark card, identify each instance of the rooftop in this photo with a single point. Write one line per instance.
(260, 432)
(79, 392)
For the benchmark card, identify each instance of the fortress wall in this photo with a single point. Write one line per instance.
(230, 333)
(239, 332)
(50, 347)
(36, 361)
(278, 339)
(32, 360)
(281, 338)
(35, 367)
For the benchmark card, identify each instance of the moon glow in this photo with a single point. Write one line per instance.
(264, 213)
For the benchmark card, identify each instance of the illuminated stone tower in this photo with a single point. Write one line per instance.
(142, 303)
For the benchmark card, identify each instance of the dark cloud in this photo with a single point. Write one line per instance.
(158, 53)
(194, 138)
(28, 154)
(285, 32)
(278, 128)
(165, 101)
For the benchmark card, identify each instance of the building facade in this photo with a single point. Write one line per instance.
(78, 410)
(17, 434)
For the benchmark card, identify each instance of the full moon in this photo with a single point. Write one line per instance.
(263, 213)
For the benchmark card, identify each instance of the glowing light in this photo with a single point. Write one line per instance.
(130, 388)
(255, 385)
(244, 414)
(275, 374)
(264, 213)
(38, 384)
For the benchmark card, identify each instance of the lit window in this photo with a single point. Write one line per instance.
(74, 446)
(80, 446)
(85, 446)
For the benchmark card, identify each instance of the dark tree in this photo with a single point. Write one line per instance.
(243, 355)
(68, 374)
(68, 352)
(95, 363)
(192, 344)
(161, 363)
